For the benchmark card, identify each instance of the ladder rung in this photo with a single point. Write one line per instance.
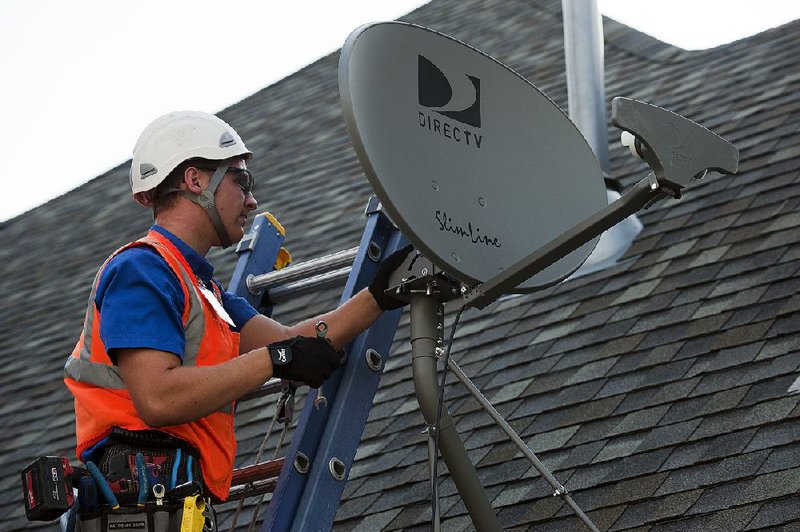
(302, 270)
(264, 470)
(255, 479)
(309, 284)
(252, 489)
(269, 387)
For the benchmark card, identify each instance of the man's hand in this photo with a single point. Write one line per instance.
(305, 359)
(381, 281)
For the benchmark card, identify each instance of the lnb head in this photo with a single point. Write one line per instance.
(676, 148)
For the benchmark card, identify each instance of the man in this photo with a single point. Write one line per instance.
(165, 350)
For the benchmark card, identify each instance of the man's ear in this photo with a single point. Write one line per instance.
(193, 180)
(146, 198)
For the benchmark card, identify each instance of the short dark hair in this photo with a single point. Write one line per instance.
(164, 198)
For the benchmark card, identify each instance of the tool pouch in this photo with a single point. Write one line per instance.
(147, 519)
(118, 462)
(127, 458)
(179, 516)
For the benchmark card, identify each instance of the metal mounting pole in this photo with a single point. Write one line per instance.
(583, 54)
(424, 336)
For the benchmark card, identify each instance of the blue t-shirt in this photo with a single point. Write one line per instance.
(141, 301)
(141, 304)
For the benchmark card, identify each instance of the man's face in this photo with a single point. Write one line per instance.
(234, 199)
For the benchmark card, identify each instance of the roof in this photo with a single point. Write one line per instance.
(662, 391)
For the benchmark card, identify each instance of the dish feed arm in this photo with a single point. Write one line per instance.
(677, 150)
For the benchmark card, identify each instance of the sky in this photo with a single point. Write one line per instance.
(81, 79)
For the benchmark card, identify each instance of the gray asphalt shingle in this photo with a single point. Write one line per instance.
(657, 390)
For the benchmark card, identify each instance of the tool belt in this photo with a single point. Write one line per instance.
(168, 461)
(169, 517)
(146, 481)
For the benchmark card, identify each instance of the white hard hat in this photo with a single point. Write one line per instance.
(176, 137)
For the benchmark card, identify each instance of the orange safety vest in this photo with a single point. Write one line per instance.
(102, 401)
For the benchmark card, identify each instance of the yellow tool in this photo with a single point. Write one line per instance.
(193, 518)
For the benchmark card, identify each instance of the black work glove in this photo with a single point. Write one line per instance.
(305, 359)
(380, 283)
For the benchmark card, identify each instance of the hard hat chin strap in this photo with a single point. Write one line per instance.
(206, 201)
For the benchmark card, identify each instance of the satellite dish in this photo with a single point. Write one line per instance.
(473, 163)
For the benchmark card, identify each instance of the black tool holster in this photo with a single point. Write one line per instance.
(160, 450)
(118, 464)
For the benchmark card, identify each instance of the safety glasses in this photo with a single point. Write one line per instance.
(243, 178)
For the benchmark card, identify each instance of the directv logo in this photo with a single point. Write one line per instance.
(458, 100)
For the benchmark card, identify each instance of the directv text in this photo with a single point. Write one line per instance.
(449, 131)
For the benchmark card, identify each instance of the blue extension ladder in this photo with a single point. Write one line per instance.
(328, 437)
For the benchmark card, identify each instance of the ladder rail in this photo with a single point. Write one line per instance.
(330, 436)
(326, 439)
